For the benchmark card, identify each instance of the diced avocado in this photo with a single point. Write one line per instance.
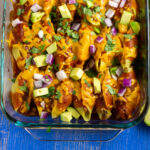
(97, 85)
(65, 11)
(147, 118)
(52, 48)
(89, 3)
(66, 116)
(16, 52)
(37, 16)
(40, 92)
(40, 61)
(22, 2)
(76, 73)
(135, 27)
(126, 17)
(74, 113)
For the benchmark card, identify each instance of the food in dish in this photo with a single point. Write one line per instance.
(74, 57)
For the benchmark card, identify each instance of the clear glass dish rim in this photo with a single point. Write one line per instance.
(94, 126)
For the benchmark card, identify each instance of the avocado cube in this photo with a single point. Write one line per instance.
(40, 61)
(16, 52)
(76, 73)
(37, 16)
(22, 2)
(126, 17)
(97, 85)
(74, 113)
(89, 3)
(52, 48)
(65, 13)
(40, 92)
(135, 27)
(66, 116)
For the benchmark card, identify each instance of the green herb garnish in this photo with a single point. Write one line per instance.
(57, 38)
(111, 90)
(34, 50)
(86, 82)
(23, 88)
(74, 92)
(91, 73)
(27, 106)
(110, 45)
(58, 94)
(13, 80)
(28, 62)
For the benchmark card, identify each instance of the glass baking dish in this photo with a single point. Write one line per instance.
(95, 130)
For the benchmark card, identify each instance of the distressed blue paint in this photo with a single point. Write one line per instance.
(15, 138)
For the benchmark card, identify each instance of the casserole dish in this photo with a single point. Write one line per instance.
(105, 130)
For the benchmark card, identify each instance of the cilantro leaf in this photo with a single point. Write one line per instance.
(86, 82)
(74, 92)
(111, 90)
(23, 88)
(58, 95)
(13, 80)
(27, 106)
(28, 62)
(110, 45)
(91, 73)
(57, 38)
(34, 50)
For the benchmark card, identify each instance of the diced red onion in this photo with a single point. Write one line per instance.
(61, 75)
(113, 4)
(92, 49)
(122, 92)
(42, 104)
(72, 1)
(44, 115)
(41, 34)
(38, 76)
(16, 22)
(117, 1)
(47, 79)
(36, 8)
(99, 39)
(123, 2)
(76, 26)
(108, 22)
(110, 13)
(38, 84)
(50, 59)
(119, 71)
(114, 31)
(114, 77)
(127, 82)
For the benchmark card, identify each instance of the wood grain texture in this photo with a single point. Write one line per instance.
(15, 138)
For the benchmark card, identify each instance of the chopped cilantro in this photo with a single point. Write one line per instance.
(110, 45)
(34, 50)
(51, 91)
(100, 76)
(74, 58)
(23, 88)
(42, 47)
(113, 70)
(86, 82)
(111, 90)
(20, 11)
(128, 36)
(74, 92)
(91, 73)
(58, 94)
(57, 38)
(27, 106)
(13, 80)
(63, 47)
(28, 62)
(26, 42)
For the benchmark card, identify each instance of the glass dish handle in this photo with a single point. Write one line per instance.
(63, 134)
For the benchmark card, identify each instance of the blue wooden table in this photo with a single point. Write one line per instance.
(15, 138)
